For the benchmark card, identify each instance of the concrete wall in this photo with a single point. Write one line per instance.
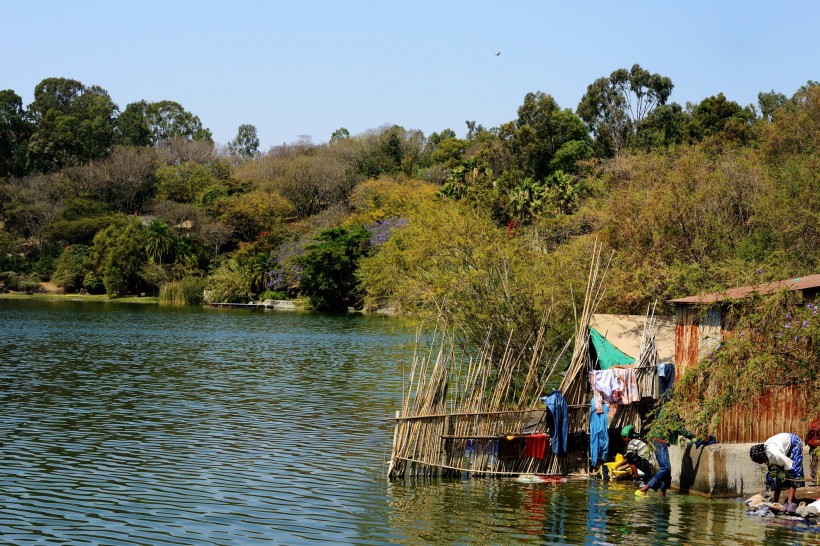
(719, 470)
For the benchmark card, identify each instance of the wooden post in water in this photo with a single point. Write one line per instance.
(393, 450)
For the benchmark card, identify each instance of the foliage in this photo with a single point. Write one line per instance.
(374, 200)
(329, 266)
(774, 343)
(183, 183)
(149, 123)
(29, 283)
(481, 280)
(228, 284)
(614, 107)
(15, 130)
(69, 268)
(186, 291)
(246, 142)
(74, 124)
(117, 256)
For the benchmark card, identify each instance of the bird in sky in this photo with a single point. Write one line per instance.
(497, 54)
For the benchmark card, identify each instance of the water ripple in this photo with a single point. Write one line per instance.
(130, 425)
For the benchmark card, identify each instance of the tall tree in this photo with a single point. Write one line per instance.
(721, 120)
(149, 123)
(541, 130)
(329, 267)
(74, 124)
(613, 107)
(15, 130)
(246, 143)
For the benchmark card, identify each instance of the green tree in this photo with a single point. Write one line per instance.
(159, 240)
(339, 134)
(541, 130)
(768, 103)
(183, 183)
(613, 107)
(228, 283)
(74, 124)
(15, 130)
(665, 126)
(117, 256)
(721, 120)
(329, 267)
(132, 125)
(69, 270)
(246, 143)
(149, 123)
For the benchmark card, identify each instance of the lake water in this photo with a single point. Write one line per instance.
(130, 424)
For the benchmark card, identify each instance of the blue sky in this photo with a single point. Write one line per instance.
(310, 67)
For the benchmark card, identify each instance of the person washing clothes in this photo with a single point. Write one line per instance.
(783, 454)
(662, 479)
(637, 455)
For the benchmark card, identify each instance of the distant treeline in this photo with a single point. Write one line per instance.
(489, 231)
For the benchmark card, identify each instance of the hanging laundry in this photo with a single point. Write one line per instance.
(510, 447)
(605, 388)
(536, 445)
(666, 377)
(598, 434)
(627, 379)
(557, 406)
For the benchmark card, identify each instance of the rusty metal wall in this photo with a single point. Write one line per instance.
(697, 332)
(780, 410)
(687, 322)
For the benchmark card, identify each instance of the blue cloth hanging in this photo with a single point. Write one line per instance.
(666, 377)
(557, 406)
(598, 434)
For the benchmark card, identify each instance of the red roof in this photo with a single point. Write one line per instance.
(800, 283)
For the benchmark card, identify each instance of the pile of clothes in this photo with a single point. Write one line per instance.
(760, 506)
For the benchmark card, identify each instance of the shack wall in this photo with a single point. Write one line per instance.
(781, 409)
(698, 331)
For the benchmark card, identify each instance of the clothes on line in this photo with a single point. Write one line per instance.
(666, 377)
(557, 406)
(617, 385)
(598, 433)
(536, 445)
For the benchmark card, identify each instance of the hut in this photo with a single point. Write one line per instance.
(702, 322)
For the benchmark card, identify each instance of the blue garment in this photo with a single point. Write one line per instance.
(598, 434)
(663, 477)
(777, 476)
(666, 377)
(558, 408)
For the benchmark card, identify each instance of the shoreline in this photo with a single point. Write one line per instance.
(143, 300)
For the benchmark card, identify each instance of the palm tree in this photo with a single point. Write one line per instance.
(159, 240)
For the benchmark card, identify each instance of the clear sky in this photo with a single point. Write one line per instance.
(309, 67)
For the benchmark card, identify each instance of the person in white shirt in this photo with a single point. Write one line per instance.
(783, 454)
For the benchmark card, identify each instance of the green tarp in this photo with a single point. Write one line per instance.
(608, 354)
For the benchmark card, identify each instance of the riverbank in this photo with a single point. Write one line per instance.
(151, 300)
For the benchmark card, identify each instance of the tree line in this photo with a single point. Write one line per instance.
(489, 231)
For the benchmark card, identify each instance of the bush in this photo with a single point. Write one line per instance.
(21, 283)
(273, 295)
(186, 291)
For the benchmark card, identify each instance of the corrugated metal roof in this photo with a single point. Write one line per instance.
(625, 331)
(800, 283)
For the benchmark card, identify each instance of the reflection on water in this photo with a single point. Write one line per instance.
(577, 512)
(144, 425)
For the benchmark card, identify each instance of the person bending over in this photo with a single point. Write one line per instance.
(637, 455)
(783, 454)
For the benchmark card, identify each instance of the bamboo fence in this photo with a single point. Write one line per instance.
(458, 409)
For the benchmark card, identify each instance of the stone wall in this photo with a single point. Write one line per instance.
(719, 470)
